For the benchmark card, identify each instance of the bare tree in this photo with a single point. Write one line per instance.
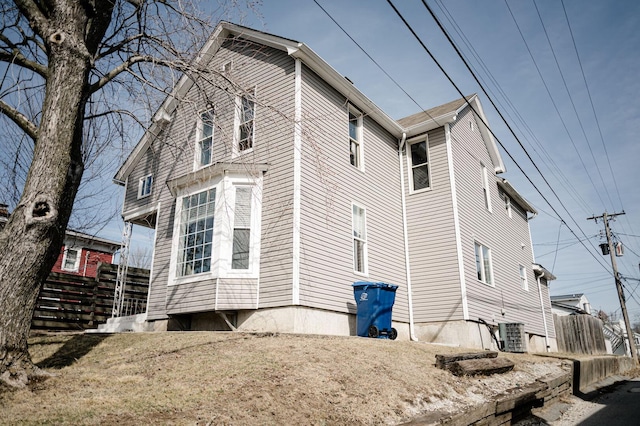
(75, 75)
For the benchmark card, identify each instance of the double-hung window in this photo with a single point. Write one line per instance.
(483, 264)
(196, 233)
(419, 165)
(217, 228)
(247, 110)
(359, 227)
(205, 138)
(241, 228)
(144, 186)
(71, 259)
(355, 138)
(485, 188)
(523, 278)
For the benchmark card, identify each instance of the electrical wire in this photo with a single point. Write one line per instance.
(427, 50)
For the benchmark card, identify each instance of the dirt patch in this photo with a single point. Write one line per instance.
(236, 378)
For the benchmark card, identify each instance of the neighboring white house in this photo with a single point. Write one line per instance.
(569, 304)
(273, 184)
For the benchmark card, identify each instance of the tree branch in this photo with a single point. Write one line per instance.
(20, 119)
(16, 57)
(106, 78)
(37, 20)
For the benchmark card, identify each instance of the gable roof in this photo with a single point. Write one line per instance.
(424, 121)
(409, 126)
(293, 48)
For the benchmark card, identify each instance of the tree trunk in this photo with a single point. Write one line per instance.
(35, 231)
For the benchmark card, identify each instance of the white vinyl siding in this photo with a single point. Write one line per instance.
(508, 238)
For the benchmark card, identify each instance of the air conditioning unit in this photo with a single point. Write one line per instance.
(512, 336)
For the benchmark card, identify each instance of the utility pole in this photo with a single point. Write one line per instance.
(623, 305)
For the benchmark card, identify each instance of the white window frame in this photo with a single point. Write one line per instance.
(485, 188)
(479, 252)
(507, 205)
(226, 67)
(358, 141)
(76, 265)
(145, 184)
(198, 161)
(524, 284)
(411, 166)
(237, 123)
(362, 239)
(221, 257)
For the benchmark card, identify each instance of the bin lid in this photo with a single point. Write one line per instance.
(374, 285)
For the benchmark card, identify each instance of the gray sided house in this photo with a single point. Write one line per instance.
(273, 184)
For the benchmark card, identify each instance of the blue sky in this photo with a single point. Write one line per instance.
(562, 136)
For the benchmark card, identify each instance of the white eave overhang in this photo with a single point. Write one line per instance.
(515, 196)
(212, 171)
(542, 272)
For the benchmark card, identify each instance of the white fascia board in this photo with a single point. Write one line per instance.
(542, 272)
(492, 146)
(515, 195)
(170, 103)
(431, 124)
(346, 88)
(216, 169)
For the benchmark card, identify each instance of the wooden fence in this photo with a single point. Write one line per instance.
(579, 334)
(70, 302)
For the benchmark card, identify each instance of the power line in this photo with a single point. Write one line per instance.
(575, 110)
(485, 124)
(548, 160)
(584, 78)
(553, 102)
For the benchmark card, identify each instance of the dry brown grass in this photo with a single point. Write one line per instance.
(235, 378)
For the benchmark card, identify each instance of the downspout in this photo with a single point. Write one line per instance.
(86, 260)
(412, 334)
(544, 316)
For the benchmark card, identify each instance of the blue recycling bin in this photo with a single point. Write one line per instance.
(374, 307)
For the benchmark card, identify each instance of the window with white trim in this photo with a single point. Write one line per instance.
(246, 128)
(196, 233)
(204, 145)
(485, 188)
(483, 264)
(507, 204)
(144, 186)
(216, 233)
(355, 138)
(71, 259)
(241, 228)
(523, 278)
(419, 165)
(359, 227)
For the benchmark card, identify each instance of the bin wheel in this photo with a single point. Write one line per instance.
(393, 334)
(374, 332)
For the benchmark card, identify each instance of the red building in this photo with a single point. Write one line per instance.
(80, 253)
